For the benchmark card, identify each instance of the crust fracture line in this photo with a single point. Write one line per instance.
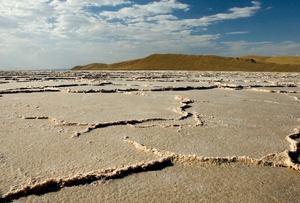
(53, 184)
(282, 159)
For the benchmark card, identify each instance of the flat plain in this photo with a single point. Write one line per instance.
(149, 136)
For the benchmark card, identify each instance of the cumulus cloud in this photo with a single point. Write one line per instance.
(64, 33)
(71, 19)
(151, 9)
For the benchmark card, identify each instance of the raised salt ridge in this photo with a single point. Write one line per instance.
(149, 136)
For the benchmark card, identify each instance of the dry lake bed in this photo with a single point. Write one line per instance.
(149, 136)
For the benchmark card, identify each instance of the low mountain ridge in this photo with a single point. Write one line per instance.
(202, 63)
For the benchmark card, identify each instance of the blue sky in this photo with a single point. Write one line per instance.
(54, 34)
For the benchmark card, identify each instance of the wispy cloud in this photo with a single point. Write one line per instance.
(269, 7)
(70, 18)
(237, 33)
(238, 48)
(49, 32)
(150, 9)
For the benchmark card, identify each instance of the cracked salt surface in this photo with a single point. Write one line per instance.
(149, 136)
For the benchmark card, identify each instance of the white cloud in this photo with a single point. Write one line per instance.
(233, 13)
(57, 34)
(151, 9)
(240, 48)
(237, 33)
(70, 19)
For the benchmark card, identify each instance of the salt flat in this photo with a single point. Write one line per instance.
(151, 136)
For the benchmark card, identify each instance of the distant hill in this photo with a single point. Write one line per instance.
(203, 62)
(92, 66)
(275, 59)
